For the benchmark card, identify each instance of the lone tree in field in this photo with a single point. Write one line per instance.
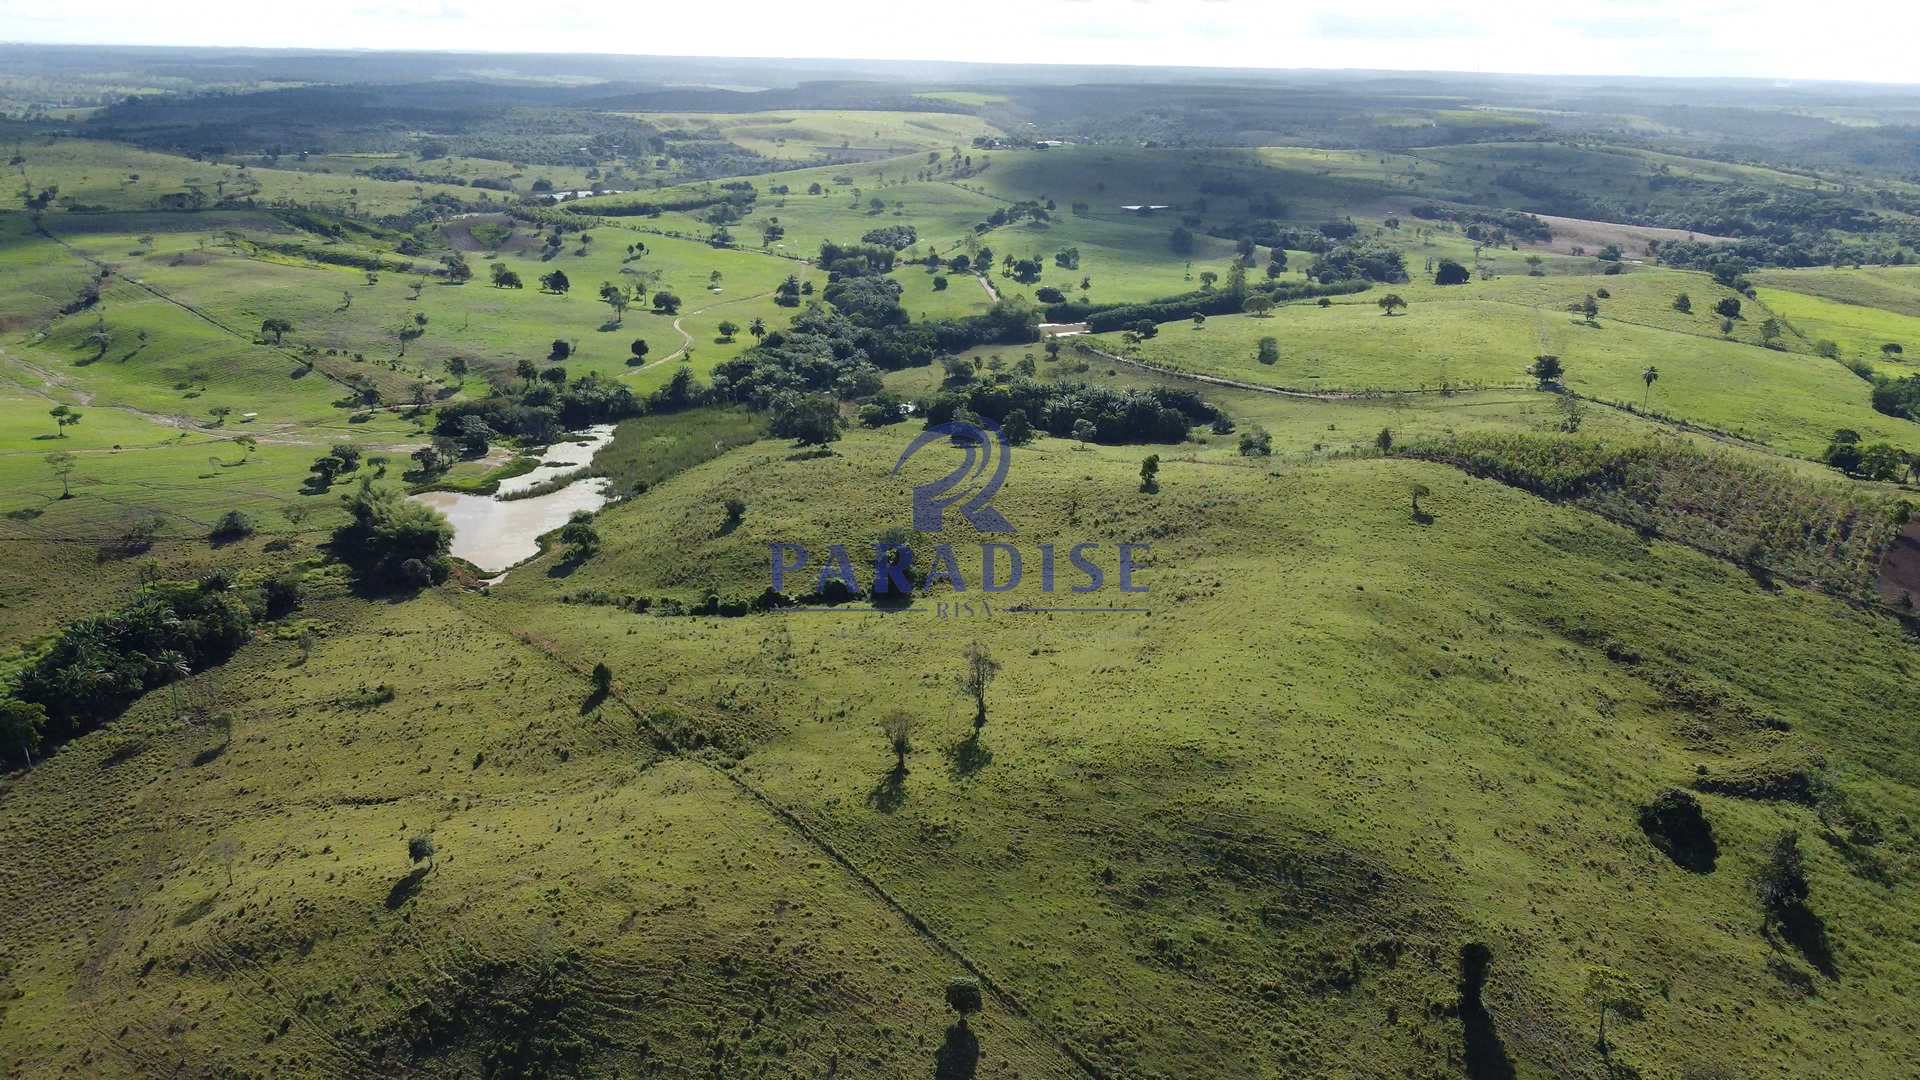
(1384, 440)
(898, 728)
(420, 849)
(1649, 376)
(1390, 302)
(978, 673)
(1450, 273)
(1683, 304)
(1891, 349)
(616, 298)
(728, 328)
(639, 350)
(1590, 309)
(601, 679)
(1258, 306)
(62, 464)
(1614, 992)
(1547, 370)
(275, 329)
(64, 417)
(1269, 350)
(1084, 431)
(1150, 473)
(963, 997)
(556, 282)
(1728, 307)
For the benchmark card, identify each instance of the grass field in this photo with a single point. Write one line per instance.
(808, 135)
(1370, 714)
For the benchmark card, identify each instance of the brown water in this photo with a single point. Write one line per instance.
(494, 534)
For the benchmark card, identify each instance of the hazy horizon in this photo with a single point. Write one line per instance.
(1608, 39)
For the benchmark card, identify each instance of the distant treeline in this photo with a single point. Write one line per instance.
(1515, 223)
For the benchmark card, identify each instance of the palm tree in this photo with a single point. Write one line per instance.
(758, 328)
(1648, 376)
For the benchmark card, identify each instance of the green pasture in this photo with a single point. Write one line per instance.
(807, 134)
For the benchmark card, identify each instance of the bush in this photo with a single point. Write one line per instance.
(233, 525)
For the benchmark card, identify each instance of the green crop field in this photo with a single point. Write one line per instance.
(415, 662)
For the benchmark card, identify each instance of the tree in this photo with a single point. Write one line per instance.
(62, 465)
(1180, 240)
(64, 417)
(1207, 278)
(348, 454)
(559, 350)
(1533, 265)
(810, 419)
(758, 328)
(325, 468)
(1084, 431)
(1547, 370)
(639, 350)
(1648, 376)
(526, 370)
(963, 997)
(556, 282)
(581, 538)
(556, 375)
(616, 298)
(977, 673)
(1728, 307)
(1269, 350)
(1683, 304)
(1389, 302)
(1150, 473)
(420, 849)
(1255, 442)
(1384, 440)
(1589, 308)
(728, 328)
(1891, 349)
(601, 679)
(1615, 992)
(1450, 272)
(504, 278)
(1259, 306)
(1017, 428)
(1419, 491)
(275, 328)
(1199, 319)
(22, 724)
(898, 727)
(666, 303)
(1769, 331)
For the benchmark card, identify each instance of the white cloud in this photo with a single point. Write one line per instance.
(1866, 40)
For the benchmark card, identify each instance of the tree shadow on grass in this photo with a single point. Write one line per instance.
(1486, 1056)
(959, 1057)
(1807, 933)
(404, 889)
(888, 795)
(968, 756)
(593, 701)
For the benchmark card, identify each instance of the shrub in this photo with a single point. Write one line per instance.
(1674, 823)
(233, 525)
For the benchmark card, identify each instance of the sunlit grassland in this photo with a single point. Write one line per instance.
(1243, 734)
(1858, 331)
(1791, 400)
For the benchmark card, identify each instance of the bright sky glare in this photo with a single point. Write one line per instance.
(1855, 40)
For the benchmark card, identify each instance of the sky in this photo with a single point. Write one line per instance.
(1853, 40)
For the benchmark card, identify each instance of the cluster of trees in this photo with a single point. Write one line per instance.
(1090, 413)
(1364, 262)
(1880, 461)
(1101, 318)
(391, 542)
(897, 237)
(101, 664)
(1512, 223)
